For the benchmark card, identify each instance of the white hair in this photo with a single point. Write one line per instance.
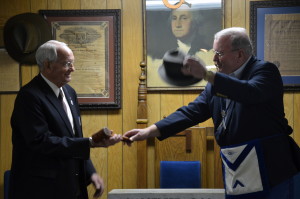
(239, 38)
(48, 52)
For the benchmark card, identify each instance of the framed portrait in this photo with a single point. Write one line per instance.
(275, 33)
(188, 26)
(94, 37)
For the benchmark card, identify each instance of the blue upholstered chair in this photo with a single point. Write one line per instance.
(6, 183)
(296, 186)
(180, 174)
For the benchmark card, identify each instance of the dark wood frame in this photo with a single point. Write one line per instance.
(291, 83)
(113, 66)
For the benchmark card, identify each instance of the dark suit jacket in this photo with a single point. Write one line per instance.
(256, 111)
(47, 156)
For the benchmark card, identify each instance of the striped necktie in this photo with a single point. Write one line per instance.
(61, 97)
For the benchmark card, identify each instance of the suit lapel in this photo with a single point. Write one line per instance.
(248, 68)
(76, 117)
(232, 103)
(57, 104)
(230, 109)
(52, 98)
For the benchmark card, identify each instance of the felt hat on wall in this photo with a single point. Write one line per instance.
(170, 70)
(23, 34)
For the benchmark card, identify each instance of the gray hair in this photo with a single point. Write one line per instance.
(48, 52)
(239, 38)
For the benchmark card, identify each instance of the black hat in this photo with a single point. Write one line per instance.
(23, 34)
(170, 70)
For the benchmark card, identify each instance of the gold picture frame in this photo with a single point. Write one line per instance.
(159, 37)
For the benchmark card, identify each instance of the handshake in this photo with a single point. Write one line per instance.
(105, 138)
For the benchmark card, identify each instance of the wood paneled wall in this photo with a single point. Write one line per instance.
(118, 164)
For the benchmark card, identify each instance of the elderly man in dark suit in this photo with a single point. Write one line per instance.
(51, 159)
(245, 100)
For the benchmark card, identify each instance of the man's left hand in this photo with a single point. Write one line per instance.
(98, 184)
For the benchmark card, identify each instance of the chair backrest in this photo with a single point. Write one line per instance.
(6, 183)
(180, 174)
(296, 185)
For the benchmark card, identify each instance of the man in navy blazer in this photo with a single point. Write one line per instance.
(51, 159)
(245, 100)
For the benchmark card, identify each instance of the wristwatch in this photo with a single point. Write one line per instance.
(209, 74)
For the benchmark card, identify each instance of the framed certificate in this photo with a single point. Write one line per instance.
(94, 37)
(275, 33)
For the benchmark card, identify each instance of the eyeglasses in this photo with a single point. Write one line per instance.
(68, 64)
(221, 54)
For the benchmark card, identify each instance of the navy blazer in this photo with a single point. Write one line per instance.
(47, 156)
(255, 111)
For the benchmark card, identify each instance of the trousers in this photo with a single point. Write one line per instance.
(289, 189)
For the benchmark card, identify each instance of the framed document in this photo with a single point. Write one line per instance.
(94, 37)
(188, 26)
(10, 81)
(275, 33)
